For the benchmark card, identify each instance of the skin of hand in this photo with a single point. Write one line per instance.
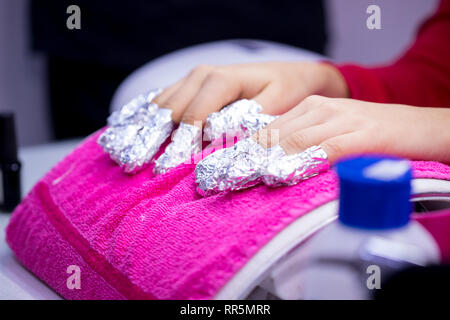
(345, 126)
(277, 86)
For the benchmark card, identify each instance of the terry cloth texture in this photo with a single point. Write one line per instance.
(153, 237)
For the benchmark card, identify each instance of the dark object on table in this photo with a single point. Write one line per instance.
(10, 194)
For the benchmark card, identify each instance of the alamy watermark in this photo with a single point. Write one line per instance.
(374, 279)
(373, 22)
(74, 280)
(74, 19)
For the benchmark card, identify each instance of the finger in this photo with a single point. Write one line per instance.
(347, 144)
(218, 90)
(311, 103)
(300, 140)
(274, 103)
(179, 100)
(269, 98)
(304, 115)
(167, 92)
(228, 84)
(273, 134)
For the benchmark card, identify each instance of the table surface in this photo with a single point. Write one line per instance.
(16, 282)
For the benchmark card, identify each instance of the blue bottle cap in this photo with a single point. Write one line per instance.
(374, 192)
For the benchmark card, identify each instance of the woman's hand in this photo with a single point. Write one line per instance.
(276, 86)
(344, 126)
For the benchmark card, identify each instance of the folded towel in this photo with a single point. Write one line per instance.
(152, 237)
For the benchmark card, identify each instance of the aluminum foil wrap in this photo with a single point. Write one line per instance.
(288, 170)
(136, 132)
(129, 112)
(240, 119)
(247, 163)
(238, 167)
(186, 141)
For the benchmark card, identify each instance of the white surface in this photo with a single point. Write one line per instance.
(15, 281)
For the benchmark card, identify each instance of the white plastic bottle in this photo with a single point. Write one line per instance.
(373, 236)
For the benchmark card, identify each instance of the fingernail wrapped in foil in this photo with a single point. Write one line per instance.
(136, 132)
(135, 110)
(240, 119)
(238, 167)
(247, 163)
(288, 170)
(186, 141)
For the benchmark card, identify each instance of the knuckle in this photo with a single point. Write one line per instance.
(202, 69)
(332, 147)
(313, 100)
(328, 108)
(358, 122)
(297, 141)
(218, 75)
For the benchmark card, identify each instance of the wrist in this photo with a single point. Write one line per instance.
(438, 134)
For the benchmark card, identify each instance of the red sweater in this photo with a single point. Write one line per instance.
(420, 77)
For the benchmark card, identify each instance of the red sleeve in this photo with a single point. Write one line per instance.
(420, 77)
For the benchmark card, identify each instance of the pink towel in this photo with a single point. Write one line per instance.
(146, 237)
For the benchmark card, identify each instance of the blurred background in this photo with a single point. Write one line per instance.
(60, 82)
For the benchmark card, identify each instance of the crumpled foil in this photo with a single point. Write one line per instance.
(247, 164)
(288, 170)
(136, 132)
(238, 167)
(240, 119)
(129, 112)
(186, 141)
